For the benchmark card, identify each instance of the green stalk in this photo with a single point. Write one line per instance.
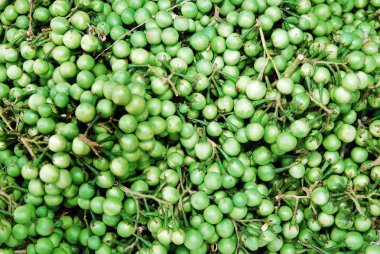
(42, 155)
(293, 66)
(202, 122)
(124, 215)
(228, 76)
(204, 134)
(232, 126)
(18, 38)
(220, 165)
(133, 179)
(308, 83)
(166, 220)
(226, 156)
(91, 168)
(260, 102)
(146, 205)
(109, 154)
(6, 213)
(110, 138)
(148, 214)
(186, 77)
(374, 185)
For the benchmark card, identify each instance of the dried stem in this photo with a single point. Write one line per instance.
(352, 196)
(284, 196)
(375, 86)
(91, 144)
(20, 251)
(261, 74)
(6, 121)
(237, 236)
(30, 17)
(167, 80)
(258, 24)
(137, 194)
(328, 111)
(30, 150)
(105, 127)
(216, 16)
(10, 200)
(370, 165)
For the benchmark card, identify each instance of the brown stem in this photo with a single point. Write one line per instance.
(278, 106)
(370, 165)
(93, 145)
(352, 196)
(375, 86)
(237, 236)
(262, 37)
(171, 83)
(284, 196)
(10, 200)
(213, 144)
(120, 38)
(138, 213)
(261, 74)
(328, 111)
(20, 251)
(137, 194)
(6, 121)
(328, 63)
(30, 17)
(26, 144)
(166, 80)
(296, 208)
(106, 128)
(216, 16)
(130, 247)
(85, 218)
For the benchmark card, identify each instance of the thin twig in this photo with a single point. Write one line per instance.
(318, 250)
(20, 251)
(138, 213)
(370, 165)
(237, 237)
(284, 196)
(131, 246)
(258, 24)
(328, 111)
(30, 150)
(293, 66)
(352, 196)
(10, 200)
(120, 38)
(93, 145)
(261, 74)
(137, 194)
(166, 80)
(6, 121)
(108, 129)
(216, 16)
(344, 64)
(30, 17)
(375, 86)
